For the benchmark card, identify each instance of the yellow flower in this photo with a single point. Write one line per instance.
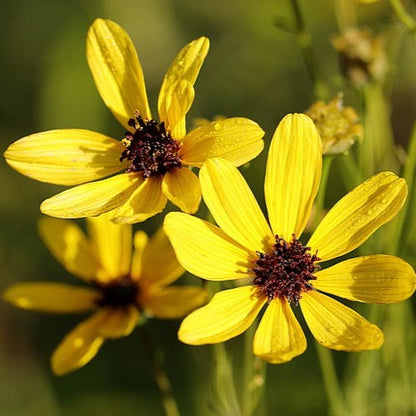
(281, 269)
(337, 125)
(154, 155)
(125, 285)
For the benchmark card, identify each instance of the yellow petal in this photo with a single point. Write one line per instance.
(145, 202)
(173, 302)
(140, 241)
(79, 346)
(358, 214)
(51, 297)
(338, 327)
(236, 139)
(181, 186)
(178, 101)
(159, 263)
(279, 337)
(228, 314)
(116, 69)
(233, 205)
(119, 322)
(66, 157)
(374, 279)
(112, 244)
(205, 250)
(91, 199)
(293, 172)
(69, 245)
(185, 67)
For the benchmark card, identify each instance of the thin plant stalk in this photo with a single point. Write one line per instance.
(331, 383)
(345, 14)
(405, 18)
(254, 377)
(377, 150)
(162, 380)
(326, 361)
(350, 171)
(305, 42)
(320, 198)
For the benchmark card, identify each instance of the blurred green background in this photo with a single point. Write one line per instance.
(253, 69)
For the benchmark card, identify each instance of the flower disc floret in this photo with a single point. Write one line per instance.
(287, 271)
(118, 293)
(150, 148)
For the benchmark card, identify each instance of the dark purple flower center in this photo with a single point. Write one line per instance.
(120, 292)
(286, 271)
(150, 148)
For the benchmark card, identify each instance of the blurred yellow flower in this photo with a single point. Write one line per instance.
(337, 125)
(125, 285)
(282, 270)
(155, 155)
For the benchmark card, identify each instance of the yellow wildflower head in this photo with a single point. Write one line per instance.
(362, 56)
(124, 285)
(337, 125)
(283, 271)
(155, 155)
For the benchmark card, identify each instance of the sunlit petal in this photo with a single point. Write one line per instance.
(159, 263)
(90, 199)
(70, 246)
(145, 202)
(51, 297)
(140, 241)
(116, 69)
(119, 322)
(66, 157)
(181, 187)
(112, 244)
(358, 214)
(279, 337)
(205, 250)
(185, 67)
(178, 101)
(173, 302)
(374, 279)
(338, 327)
(233, 205)
(293, 172)
(79, 346)
(228, 314)
(238, 140)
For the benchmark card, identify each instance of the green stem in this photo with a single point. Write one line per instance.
(331, 382)
(304, 39)
(345, 14)
(398, 330)
(320, 198)
(377, 151)
(159, 375)
(225, 395)
(404, 17)
(409, 176)
(254, 376)
(350, 171)
(364, 375)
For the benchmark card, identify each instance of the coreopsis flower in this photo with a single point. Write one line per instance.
(362, 56)
(273, 267)
(338, 126)
(125, 285)
(153, 155)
